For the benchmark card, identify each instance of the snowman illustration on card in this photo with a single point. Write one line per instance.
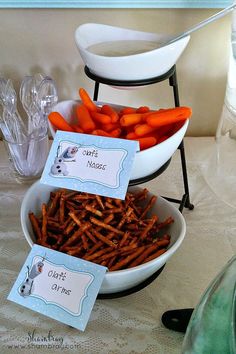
(26, 287)
(66, 155)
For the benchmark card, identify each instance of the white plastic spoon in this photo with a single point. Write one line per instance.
(198, 26)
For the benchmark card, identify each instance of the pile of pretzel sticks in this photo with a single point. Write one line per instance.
(115, 233)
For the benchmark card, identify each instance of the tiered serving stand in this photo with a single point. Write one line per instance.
(183, 202)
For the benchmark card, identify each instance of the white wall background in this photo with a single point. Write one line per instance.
(42, 40)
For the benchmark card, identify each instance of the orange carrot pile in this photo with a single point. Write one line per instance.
(141, 124)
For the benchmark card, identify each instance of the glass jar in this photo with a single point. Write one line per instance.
(212, 327)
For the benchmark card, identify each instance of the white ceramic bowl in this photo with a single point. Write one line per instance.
(129, 67)
(146, 161)
(120, 280)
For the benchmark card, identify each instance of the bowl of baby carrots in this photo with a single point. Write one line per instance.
(159, 132)
(133, 238)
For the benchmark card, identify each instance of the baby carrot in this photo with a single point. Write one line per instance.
(59, 122)
(116, 133)
(143, 109)
(108, 110)
(177, 126)
(101, 133)
(163, 117)
(143, 129)
(84, 119)
(110, 126)
(127, 110)
(77, 129)
(101, 118)
(131, 119)
(86, 100)
(161, 139)
(161, 133)
(132, 136)
(147, 142)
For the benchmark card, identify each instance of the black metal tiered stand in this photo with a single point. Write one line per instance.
(184, 202)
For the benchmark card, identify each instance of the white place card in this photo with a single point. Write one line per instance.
(88, 163)
(58, 285)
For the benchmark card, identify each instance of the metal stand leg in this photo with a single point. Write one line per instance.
(174, 83)
(95, 93)
(185, 177)
(185, 202)
(172, 76)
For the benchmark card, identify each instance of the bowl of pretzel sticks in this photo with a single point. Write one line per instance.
(133, 238)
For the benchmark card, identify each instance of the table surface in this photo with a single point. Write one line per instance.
(130, 324)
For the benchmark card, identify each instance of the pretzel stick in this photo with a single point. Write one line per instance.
(90, 236)
(111, 262)
(70, 195)
(70, 228)
(148, 227)
(166, 222)
(162, 243)
(53, 219)
(105, 226)
(70, 206)
(145, 254)
(53, 205)
(148, 206)
(113, 210)
(103, 238)
(141, 195)
(44, 222)
(51, 235)
(108, 219)
(66, 223)
(73, 251)
(128, 259)
(109, 205)
(93, 210)
(95, 247)
(98, 253)
(123, 220)
(134, 241)
(62, 209)
(155, 255)
(84, 196)
(35, 226)
(54, 224)
(104, 263)
(124, 239)
(75, 218)
(84, 241)
(135, 208)
(120, 251)
(166, 237)
(75, 236)
(99, 201)
(59, 241)
(118, 202)
(132, 227)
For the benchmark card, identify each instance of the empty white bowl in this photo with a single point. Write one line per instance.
(146, 161)
(140, 66)
(120, 280)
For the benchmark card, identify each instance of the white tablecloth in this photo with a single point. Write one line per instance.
(130, 324)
